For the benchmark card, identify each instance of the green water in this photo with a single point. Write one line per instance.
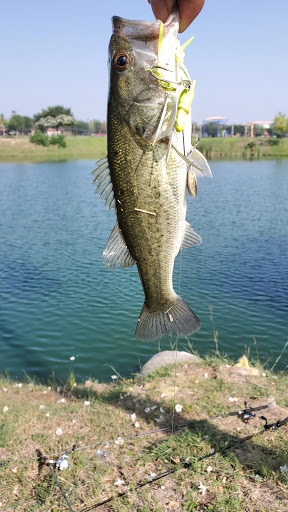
(57, 299)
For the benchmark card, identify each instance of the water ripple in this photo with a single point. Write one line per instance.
(58, 300)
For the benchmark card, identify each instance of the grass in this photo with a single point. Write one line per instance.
(242, 148)
(20, 149)
(247, 477)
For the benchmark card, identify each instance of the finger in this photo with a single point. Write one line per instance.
(162, 8)
(188, 9)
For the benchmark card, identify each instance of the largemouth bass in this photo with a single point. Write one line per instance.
(149, 167)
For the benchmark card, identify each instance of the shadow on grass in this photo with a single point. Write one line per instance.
(201, 439)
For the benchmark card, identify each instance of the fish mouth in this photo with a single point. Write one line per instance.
(143, 30)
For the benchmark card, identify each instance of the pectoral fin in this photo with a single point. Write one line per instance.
(200, 164)
(116, 251)
(198, 161)
(103, 182)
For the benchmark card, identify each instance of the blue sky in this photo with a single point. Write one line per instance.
(55, 52)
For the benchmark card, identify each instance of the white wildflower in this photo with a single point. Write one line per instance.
(47, 414)
(233, 399)
(163, 394)
(119, 482)
(86, 402)
(133, 417)
(283, 469)
(162, 486)
(5, 408)
(4, 389)
(202, 488)
(136, 424)
(72, 358)
(178, 408)
(44, 392)
(14, 470)
(119, 441)
(227, 365)
(62, 400)
(153, 407)
(161, 418)
(42, 407)
(263, 374)
(59, 432)
(152, 476)
(114, 377)
(206, 375)
(147, 409)
(209, 469)
(75, 384)
(196, 381)
(161, 409)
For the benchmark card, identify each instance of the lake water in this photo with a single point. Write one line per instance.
(57, 299)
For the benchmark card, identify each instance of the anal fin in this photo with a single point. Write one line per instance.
(190, 237)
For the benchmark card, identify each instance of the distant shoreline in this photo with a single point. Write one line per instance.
(20, 149)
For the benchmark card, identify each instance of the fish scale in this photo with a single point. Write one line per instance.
(148, 173)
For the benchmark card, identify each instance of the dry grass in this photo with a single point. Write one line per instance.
(247, 477)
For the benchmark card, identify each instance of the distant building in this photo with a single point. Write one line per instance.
(52, 131)
(264, 124)
(214, 119)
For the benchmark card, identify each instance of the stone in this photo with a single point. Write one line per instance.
(165, 358)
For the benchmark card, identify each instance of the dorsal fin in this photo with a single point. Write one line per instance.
(103, 183)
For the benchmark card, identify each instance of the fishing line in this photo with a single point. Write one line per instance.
(187, 465)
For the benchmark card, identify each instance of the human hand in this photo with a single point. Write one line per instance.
(188, 10)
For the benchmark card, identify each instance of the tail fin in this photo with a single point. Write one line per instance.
(152, 325)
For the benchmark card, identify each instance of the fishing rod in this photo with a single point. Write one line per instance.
(186, 465)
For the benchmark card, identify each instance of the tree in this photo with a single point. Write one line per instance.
(3, 120)
(54, 122)
(64, 120)
(55, 111)
(15, 124)
(96, 126)
(27, 124)
(81, 128)
(45, 122)
(211, 129)
(280, 125)
(19, 124)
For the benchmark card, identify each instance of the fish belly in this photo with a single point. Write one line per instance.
(150, 200)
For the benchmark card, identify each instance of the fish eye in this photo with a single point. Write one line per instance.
(121, 61)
